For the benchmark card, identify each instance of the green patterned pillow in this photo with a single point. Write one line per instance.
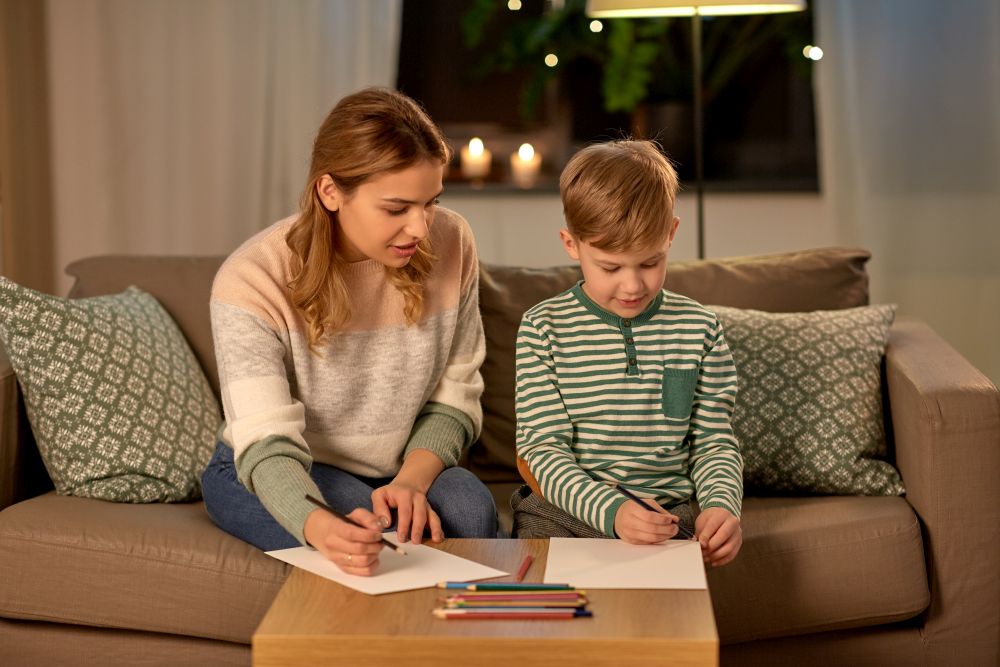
(118, 404)
(809, 410)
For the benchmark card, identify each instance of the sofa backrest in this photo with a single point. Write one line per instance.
(181, 284)
(822, 279)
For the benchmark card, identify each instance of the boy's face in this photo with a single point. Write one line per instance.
(623, 283)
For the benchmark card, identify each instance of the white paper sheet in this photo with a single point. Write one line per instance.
(599, 563)
(421, 567)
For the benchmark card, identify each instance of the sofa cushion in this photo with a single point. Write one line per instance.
(181, 284)
(827, 279)
(159, 568)
(809, 410)
(815, 564)
(119, 406)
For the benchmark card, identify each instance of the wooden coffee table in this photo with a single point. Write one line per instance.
(315, 621)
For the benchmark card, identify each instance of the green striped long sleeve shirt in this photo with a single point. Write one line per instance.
(644, 402)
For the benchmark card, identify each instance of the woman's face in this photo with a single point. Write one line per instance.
(387, 215)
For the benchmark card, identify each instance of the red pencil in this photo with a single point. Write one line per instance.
(524, 567)
(468, 614)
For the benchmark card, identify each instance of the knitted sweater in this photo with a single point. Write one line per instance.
(377, 389)
(644, 402)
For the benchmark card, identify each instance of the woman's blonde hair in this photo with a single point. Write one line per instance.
(372, 132)
(619, 196)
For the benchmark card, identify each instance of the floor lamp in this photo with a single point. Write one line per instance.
(695, 9)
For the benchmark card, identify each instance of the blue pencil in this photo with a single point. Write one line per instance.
(502, 586)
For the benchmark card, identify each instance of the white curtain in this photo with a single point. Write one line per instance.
(184, 126)
(909, 115)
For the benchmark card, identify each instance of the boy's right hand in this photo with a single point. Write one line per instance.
(638, 525)
(354, 550)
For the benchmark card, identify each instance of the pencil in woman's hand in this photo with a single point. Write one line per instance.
(344, 517)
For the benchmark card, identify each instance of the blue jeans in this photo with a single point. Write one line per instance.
(463, 503)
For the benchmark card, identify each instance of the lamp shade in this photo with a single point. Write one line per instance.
(611, 9)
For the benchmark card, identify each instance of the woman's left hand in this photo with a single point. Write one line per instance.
(413, 512)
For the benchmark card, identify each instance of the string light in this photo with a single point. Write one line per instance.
(813, 52)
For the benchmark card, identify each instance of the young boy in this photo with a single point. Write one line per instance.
(622, 385)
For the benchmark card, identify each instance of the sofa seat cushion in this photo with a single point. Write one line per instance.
(824, 563)
(157, 567)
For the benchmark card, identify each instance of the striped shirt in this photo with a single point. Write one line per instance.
(644, 402)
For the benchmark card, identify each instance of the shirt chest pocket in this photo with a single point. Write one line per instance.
(678, 392)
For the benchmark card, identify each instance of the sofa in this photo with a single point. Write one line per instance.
(820, 580)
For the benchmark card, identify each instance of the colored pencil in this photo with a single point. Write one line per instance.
(343, 517)
(543, 604)
(470, 614)
(523, 570)
(503, 586)
(527, 595)
(650, 504)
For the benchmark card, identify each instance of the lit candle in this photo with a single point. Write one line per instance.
(475, 159)
(524, 166)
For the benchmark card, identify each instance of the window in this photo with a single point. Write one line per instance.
(759, 127)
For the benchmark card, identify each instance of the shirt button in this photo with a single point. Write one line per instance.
(629, 341)
(626, 323)
(631, 361)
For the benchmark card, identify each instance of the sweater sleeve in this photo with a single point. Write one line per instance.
(715, 459)
(545, 437)
(264, 423)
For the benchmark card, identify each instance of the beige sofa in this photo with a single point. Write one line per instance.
(820, 580)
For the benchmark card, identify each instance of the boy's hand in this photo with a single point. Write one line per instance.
(638, 525)
(720, 535)
(354, 550)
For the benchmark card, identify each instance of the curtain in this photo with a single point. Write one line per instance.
(185, 126)
(909, 117)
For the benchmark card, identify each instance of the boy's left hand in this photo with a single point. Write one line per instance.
(720, 535)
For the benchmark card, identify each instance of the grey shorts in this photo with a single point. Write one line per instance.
(536, 517)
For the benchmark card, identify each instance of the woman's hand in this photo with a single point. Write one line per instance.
(638, 525)
(354, 550)
(413, 512)
(720, 535)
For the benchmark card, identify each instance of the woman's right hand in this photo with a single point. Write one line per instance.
(638, 525)
(354, 550)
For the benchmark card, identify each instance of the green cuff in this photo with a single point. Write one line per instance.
(715, 502)
(610, 514)
(443, 430)
(276, 470)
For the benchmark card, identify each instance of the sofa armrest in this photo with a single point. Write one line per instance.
(22, 473)
(946, 423)
(9, 445)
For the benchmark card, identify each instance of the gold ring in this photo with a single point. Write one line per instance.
(349, 559)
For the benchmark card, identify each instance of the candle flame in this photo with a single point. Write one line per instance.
(476, 146)
(526, 152)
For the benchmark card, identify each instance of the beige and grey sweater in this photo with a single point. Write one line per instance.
(376, 390)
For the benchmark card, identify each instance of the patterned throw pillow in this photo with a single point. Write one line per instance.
(809, 410)
(119, 407)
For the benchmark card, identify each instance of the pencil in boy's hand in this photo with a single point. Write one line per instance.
(523, 570)
(642, 503)
(655, 507)
(343, 517)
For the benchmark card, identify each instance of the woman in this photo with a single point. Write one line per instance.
(349, 343)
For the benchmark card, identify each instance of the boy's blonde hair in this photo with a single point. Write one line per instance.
(372, 132)
(619, 196)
